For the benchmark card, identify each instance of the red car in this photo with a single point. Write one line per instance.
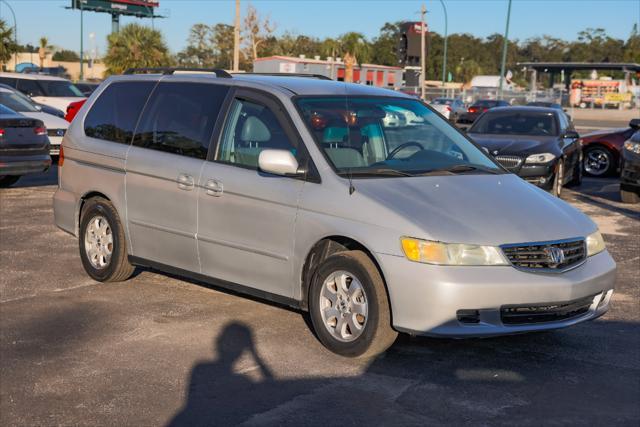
(602, 150)
(72, 110)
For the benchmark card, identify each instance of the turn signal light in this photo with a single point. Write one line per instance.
(61, 156)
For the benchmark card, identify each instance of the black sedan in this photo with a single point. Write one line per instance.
(24, 146)
(630, 176)
(479, 107)
(538, 144)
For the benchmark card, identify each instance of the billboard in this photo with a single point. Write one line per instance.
(139, 8)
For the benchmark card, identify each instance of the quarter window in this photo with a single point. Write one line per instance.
(114, 115)
(251, 128)
(180, 118)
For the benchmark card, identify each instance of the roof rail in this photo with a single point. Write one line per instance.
(171, 70)
(311, 76)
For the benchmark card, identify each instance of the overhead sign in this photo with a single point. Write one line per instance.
(139, 8)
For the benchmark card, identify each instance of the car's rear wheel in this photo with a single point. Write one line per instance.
(102, 242)
(598, 161)
(8, 180)
(629, 197)
(349, 307)
(556, 189)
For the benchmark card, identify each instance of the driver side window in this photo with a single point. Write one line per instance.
(251, 128)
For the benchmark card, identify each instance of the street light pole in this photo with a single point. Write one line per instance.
(15, 34)
(81, 42)
(446, 36)
(423, 67)
(504, 51)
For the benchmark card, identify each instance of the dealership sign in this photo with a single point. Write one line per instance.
(139, 8)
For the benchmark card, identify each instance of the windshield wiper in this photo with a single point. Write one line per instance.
(459, 169)
(378, 172)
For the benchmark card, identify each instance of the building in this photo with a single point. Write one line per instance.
(92, 69)
(334, 68)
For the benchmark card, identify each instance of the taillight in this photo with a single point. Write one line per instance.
(61, 156)
(1, 133)
(40, 130)
(448, 108)
(472, 109)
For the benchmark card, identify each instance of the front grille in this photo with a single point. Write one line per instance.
(553, 257)
(512, 163)
(55, 132)
(541, 313)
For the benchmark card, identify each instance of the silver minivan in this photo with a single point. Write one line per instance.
(297, 190)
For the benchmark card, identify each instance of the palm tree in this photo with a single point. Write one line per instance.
(43, 50)
(356, 45)
(136, 46)
(7, 43)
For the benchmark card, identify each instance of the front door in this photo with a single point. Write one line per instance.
(163, 168)
(246, 218)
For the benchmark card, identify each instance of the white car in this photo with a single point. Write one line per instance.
(56, 126)
(55, 92)
(450, 108)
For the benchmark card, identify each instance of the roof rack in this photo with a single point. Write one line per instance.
(311, 76)
(171, 70)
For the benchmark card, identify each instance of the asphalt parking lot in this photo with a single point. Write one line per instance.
(157, 350)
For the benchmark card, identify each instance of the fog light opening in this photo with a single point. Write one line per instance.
(468, 316)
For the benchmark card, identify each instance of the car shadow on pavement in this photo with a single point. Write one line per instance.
(38, 180)
(421, 381)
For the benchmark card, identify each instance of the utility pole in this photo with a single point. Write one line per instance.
(504, 51)
(81, 42)
(423, 67)
(236, 39)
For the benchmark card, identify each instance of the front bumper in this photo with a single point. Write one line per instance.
(55, 142)
(427, 299)
(630, 175)
(538, 174)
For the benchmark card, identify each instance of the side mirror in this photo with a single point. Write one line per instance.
(571, 134)
(278, 162)
(634, 124)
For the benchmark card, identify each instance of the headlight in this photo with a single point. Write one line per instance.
(595, 243)
(439, 253)
(634, 147)
(540, 158)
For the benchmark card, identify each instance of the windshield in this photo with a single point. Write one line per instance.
(15, 102)
(516, 123)
(59, 88)
(370, 136)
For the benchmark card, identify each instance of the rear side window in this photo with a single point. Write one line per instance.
(114, 115)
(180, 118)
(9, 81)
(30, 87)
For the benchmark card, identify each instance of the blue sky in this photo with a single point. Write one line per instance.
(559, 18)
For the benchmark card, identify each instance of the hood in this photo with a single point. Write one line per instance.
(477, 209)
(517, 145)
(603, 132)
(50, 121)
(59, 102)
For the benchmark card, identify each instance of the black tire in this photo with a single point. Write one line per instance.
(629, 197)
(576, 180)
(118, 268)
(8, 180)
(377, 334)
(556, 188)
(602, 153)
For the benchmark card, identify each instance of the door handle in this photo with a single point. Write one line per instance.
(185, 182)
(214, 188)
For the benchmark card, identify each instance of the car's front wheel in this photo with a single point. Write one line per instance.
(349, 307)
(598, 161)
(558, 179)
(102, 242)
